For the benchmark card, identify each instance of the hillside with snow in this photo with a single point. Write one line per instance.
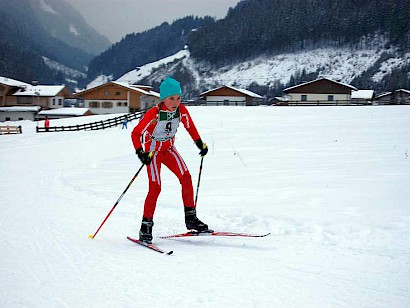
(331, 184)
(341, 64)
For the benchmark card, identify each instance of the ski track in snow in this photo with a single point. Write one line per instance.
(331, 184)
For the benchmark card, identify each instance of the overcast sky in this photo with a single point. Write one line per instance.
(117, 18)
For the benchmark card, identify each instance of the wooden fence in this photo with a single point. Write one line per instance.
(94, 125)
(341, 103)
(326, 103)
(9, 129)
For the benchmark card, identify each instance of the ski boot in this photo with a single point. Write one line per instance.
(193, 223)
(146, 230)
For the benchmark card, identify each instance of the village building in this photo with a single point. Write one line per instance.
(320, 92)
(362, 97)
(45, 96)
(279, 101)
(117, 97)
(8, 87)
(397, 97)
(231, 96)
(62, 113)
(17, 93)
(23, 101)
(18, 113)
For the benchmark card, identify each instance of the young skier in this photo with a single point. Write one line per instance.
(157, 131)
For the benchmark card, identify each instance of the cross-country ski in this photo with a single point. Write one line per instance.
(213, 233)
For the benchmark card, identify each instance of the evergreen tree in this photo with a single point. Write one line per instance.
(274, 26)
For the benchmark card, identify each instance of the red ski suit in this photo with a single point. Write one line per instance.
(157, 131)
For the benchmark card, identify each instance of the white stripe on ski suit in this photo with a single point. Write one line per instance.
(154, 169)
(154, 165)
(186, 120)
(179, 160)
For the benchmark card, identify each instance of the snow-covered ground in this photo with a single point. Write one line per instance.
(330, 183)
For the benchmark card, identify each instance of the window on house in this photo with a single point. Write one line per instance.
(330, 98)
(226, 102)
(7, 118)
(107, 93)
(107, 104)
(53, 101)
(117, 93)
(60, 101)
(21, 119)
(304, 97)
(94, 105)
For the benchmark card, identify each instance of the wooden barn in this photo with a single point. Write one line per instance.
(230, 96)
(397, 97)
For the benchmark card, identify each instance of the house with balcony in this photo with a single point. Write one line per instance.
(117, 97)
(23, 101)
(17, 93)
(9, 86)
(45, 96)
(320, 92)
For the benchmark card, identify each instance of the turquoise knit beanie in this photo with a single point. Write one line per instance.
(169, 87)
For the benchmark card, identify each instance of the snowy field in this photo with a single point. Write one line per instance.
(332, 184)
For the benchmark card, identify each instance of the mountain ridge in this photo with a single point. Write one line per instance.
(137, 49)
(26, 39)
(268, 75)
(267, 45)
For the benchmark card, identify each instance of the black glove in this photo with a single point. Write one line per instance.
(145, 157)
(202, 146)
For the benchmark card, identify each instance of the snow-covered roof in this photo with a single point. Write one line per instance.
(39, 91)
(20, 109)
(362, 94)
(74, 111)
(383, 94)
(403, 90)
(389, 93)
(12, 82)
(125, 85)
(316, 80)
(243, 91)
(137, 88)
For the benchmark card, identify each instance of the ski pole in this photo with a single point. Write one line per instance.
(199, 180)
(132, 180)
